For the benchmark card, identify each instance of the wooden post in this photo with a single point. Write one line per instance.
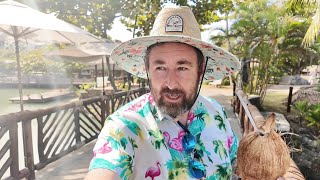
(28, 149)
(102, 61)
(108, 101)
(234, 89)
(14, 150)
(240, 115)
(103, 112)
(246, 125)
(41, 140)
(289, 99)
(112, 103)
(234, 97)
(96, 74)
(77, 124)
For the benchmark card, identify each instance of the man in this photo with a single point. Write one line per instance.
(172, 132)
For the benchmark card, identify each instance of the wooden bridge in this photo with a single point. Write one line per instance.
(50, 134)
(53, 133)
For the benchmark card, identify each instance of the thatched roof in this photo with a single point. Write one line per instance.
(309, 94)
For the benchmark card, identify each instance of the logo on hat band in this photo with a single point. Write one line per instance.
(174, 24)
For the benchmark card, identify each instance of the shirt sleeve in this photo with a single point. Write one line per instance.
(234, 148)
(114, 149)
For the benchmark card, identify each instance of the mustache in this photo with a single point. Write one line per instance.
(171, 91)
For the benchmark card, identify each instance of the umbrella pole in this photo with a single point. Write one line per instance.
(16, 42)
(103, 93)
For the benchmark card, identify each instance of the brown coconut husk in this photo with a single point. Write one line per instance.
(263, 157)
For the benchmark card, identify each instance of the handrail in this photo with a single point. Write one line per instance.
(245, 116)
(245, 107)
(59, 131)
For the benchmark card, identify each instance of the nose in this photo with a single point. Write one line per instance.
(171, 80)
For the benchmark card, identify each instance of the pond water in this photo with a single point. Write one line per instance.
(7, 106)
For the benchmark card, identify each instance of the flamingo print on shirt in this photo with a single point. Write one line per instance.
(153, 171)
(229, 143)
(103, 150)
(175, 143)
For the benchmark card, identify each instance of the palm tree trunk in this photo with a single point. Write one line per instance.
(111, 77)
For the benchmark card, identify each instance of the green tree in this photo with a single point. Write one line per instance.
(259, 28)
(226, 9)
(139, 15)
(293, 57)
(313, 9)
(95, 16)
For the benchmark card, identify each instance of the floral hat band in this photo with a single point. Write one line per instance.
(174, 24)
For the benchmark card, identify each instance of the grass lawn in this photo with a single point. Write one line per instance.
(273, 102)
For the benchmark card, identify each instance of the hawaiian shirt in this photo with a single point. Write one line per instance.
(139, 142)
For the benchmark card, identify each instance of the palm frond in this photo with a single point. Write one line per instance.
(313, 30)
(302, 2)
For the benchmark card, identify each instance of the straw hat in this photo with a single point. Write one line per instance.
(174, 24)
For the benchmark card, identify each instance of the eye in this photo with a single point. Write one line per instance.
(160, 68)
(182, 68)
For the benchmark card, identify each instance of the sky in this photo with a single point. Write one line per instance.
(119, 32)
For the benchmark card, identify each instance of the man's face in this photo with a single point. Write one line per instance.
(174, 77)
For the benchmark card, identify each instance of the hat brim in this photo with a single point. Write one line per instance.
(130, 56)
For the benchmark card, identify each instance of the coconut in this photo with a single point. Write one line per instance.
(263, 157)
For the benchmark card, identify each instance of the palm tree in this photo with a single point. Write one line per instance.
(313, 30)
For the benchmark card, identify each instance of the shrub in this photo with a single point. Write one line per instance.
(302, 108)
(313, 116)
(225, 81)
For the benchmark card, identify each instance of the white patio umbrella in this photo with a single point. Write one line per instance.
(89, 53)
(24, 23)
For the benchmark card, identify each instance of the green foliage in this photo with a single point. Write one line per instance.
(95, 16)
(268, 33)
(84, 87)
(225, 81)
(33, 61)
(205, 83)
(138, 15)
(302, 108)
(292, 56)
(311, 113)
(259, 28)
(313, 116)
(310, 9)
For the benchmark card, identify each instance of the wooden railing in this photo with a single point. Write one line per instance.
(49, 134)
(250, 119)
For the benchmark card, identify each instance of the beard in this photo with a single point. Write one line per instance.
(175, 109)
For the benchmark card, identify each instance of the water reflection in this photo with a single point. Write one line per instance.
(8, 107)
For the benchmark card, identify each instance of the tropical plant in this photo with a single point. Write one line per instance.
(258, 29)
(96, 16)
(313, 9)
(302, 108)
(313, 116)
(293, 57)
(84, 88)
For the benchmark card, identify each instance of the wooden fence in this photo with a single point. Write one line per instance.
(53, 132)
(248, 113)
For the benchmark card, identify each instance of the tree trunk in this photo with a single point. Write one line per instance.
(111, 77)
